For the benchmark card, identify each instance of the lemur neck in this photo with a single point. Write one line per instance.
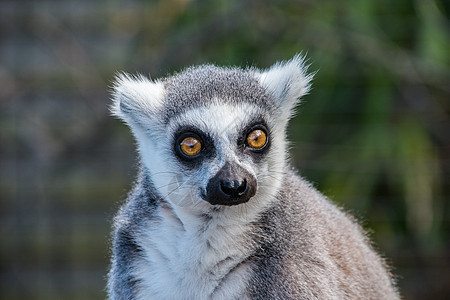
(195, 254)
(208, 218)
(205, 238)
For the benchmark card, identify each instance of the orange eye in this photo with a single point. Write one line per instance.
(190, 146)
(257, 139)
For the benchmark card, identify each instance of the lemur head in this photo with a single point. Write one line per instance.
(212, 137)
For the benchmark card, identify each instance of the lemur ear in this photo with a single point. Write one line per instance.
(287, 81)
(136, 99)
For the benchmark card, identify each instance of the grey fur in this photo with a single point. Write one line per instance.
(201, 85)
(286, 242)
(324, 247)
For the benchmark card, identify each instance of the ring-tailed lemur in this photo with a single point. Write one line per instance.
(217, 212)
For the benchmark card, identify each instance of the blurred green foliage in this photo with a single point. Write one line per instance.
(373, 135)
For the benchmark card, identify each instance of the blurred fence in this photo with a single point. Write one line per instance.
(373, 134)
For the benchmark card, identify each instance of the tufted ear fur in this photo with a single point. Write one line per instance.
(287, 81)
(136, 99)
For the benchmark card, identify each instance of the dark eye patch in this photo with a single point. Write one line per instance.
(190, 133)
(256, 125)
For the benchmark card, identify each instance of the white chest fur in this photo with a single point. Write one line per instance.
(200, 260)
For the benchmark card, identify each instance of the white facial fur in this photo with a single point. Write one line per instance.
(225, 124)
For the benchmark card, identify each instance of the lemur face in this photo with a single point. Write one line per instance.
(226, 144)
(213, 137)
(221, 154)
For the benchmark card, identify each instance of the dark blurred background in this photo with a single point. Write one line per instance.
(374, 133)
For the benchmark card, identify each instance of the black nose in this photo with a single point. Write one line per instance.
(230, 186)
(235, 188)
